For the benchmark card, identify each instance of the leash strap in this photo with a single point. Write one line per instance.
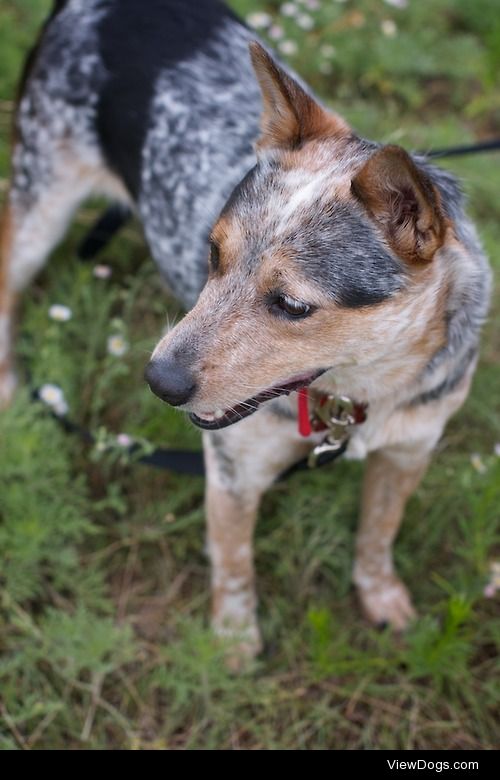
(191, 462)
(452, 151)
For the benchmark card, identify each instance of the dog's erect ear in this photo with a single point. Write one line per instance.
(290, 116)
(404, 202)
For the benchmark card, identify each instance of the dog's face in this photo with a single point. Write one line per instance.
(321, 259)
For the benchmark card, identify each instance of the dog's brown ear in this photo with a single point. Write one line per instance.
(404, 202)
(290, 116)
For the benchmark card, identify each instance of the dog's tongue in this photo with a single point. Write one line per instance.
(303, 412)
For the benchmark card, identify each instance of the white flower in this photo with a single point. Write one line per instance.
(259, 20)
(288, 47)
(326, 68)
(389, 28)
(102, 271)
(397, 3)
(117, 346)
(276, 32)
(328, 51)
(124, 440)
(496, 449)
(305, 21)
(477, 463)
(289, 9)
(53, 396)
(313, 5)
(493, 585)
(60, 313)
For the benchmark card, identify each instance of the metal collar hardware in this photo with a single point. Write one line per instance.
(335, 414)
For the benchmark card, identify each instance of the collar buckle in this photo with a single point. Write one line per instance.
(335, 414)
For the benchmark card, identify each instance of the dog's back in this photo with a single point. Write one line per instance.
(138, 96)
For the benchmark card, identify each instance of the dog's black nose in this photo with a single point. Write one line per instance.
(170, 381)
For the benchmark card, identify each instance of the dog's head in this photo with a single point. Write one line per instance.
(320, 260)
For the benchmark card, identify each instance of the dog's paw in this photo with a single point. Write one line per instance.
(387, 602)
(8, 385)
(241, 644)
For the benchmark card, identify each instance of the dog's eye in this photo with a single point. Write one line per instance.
(214, 256)
(291, 307)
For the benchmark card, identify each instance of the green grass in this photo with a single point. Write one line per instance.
(104, 583)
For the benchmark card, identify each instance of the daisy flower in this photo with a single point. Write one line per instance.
(389, 28)
(494, 583)
(60, 313)
(477, 463)
(276, 32)
(305, 21)
(289, 9)
(53, 397)
(102, 271)
(259, 20)
(327, 50)
(117, 346)
(124, 440)
(288, 47)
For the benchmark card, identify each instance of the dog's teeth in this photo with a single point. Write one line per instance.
(218, 414)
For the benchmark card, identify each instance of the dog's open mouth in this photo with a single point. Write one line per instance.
(223, 418)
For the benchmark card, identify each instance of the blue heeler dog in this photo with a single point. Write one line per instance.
(308, 257)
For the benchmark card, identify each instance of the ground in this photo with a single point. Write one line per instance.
(104, 583)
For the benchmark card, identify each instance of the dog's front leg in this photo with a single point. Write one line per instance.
(391, 477)
(230, 525)
(241, 463)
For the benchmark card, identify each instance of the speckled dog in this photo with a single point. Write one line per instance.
(335, 263)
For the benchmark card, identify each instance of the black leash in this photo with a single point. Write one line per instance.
(181, 461)
(455, 151)
(190, 462)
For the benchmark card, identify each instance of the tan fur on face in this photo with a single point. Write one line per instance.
(243, 348)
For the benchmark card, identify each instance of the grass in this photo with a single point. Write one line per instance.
(104, 584)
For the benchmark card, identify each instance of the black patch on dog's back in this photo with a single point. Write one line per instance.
(137, 41)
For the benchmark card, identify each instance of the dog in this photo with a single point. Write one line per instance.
(335, 287)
